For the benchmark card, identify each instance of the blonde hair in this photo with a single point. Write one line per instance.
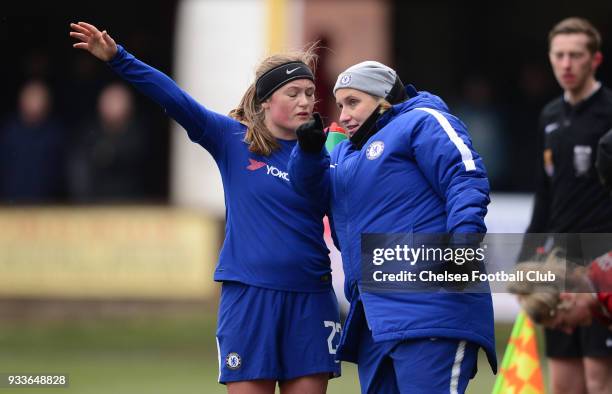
(540, 299)
(384, 105)
(250, 112)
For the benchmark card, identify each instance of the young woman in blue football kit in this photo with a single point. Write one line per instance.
(278, 316)
(407, 168)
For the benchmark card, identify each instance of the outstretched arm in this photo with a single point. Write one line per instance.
(203, 126)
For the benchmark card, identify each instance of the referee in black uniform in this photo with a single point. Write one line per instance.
(569, 197)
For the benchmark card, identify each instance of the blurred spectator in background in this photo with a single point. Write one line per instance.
(533, 85)
(109, 160)
(86, 83)
(32, 150)
(486, 125)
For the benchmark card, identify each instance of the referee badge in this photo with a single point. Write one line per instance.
(233, 361)
(582, 159)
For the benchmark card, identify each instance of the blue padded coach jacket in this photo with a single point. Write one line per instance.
(417, 174)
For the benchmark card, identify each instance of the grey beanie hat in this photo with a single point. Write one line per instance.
(370, 77)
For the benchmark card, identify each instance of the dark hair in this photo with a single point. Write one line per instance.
(577, 25)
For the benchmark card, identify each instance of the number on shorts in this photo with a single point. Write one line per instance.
(335, 328)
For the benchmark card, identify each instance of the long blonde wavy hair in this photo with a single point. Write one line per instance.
(541, 299)
(250, 112)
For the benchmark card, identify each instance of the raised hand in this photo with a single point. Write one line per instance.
(96, 42)
(311, 136)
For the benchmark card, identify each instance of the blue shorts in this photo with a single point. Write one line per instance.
(420, 365)
(275, 334)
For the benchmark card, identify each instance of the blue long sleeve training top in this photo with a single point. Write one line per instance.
(273, 236)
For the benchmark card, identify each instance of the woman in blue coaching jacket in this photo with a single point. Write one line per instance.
(408, 167)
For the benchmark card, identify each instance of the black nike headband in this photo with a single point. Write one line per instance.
(275, 78)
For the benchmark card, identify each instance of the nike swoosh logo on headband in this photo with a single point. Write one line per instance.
(291, 71)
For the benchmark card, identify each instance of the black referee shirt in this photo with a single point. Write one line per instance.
(569, 197)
